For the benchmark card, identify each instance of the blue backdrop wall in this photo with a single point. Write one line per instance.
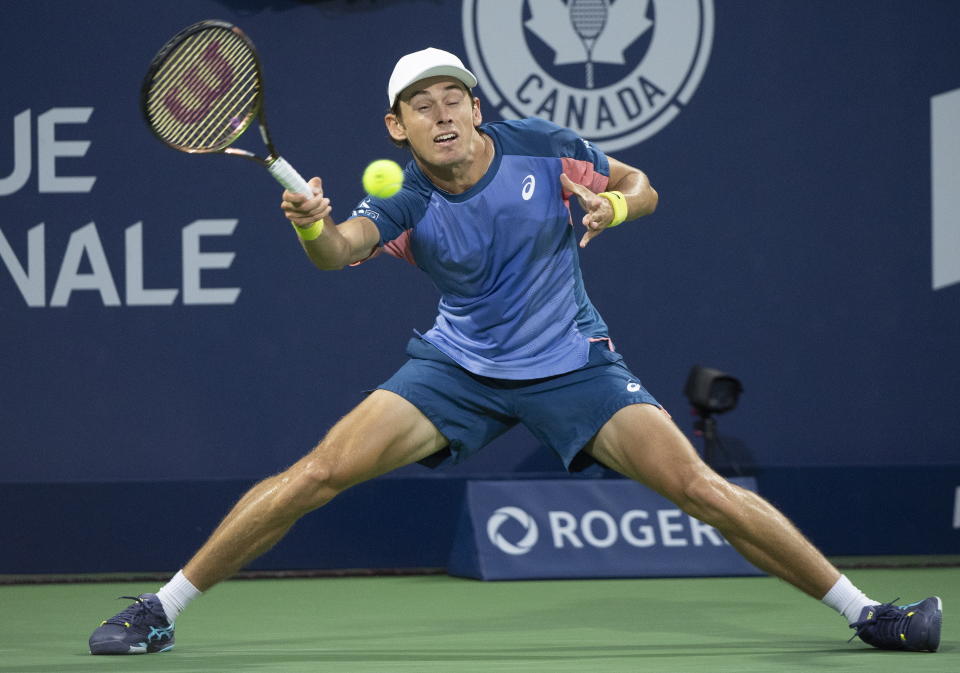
(159, 323)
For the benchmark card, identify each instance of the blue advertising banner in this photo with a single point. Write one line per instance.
(540, 529)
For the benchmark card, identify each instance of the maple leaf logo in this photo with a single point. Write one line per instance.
(588, 31)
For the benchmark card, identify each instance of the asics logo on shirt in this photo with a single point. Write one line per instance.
(527, 187)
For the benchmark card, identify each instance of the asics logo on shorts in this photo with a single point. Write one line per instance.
(499, 518)
(526, 189)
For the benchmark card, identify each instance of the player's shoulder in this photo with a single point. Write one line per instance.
(533, 137)
(527, 125)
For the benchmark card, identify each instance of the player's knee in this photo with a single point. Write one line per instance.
(308, 485)
(707, 497)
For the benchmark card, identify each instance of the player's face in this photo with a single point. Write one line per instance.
(438, 119)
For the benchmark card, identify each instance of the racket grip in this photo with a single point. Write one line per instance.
(287, 176)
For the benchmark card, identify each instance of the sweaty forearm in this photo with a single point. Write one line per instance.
(329, 250)
(639, 194)
(338, 245)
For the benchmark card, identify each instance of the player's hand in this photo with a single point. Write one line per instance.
(598, 213)
(304, 211)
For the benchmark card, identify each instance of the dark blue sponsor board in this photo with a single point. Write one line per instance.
(542, 529)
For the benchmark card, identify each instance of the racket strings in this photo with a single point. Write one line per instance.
(182, 57)
(181, 65)
(233, 110)
(206, 91)
(222, 97)
(588, 18)
(182, 75)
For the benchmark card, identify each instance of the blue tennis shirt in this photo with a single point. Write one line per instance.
(503, 254)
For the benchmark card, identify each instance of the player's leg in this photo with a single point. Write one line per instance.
(382, 433)
(641, 442)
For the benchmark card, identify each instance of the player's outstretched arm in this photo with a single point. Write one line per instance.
(328, 245)
(639, 199)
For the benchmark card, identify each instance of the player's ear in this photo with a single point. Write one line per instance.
(477, 116)
(395, 127)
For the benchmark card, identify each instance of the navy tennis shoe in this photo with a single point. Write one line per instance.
(141, 628)
(914, 627)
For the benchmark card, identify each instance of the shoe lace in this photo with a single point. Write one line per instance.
(135, 613)
(885, 621)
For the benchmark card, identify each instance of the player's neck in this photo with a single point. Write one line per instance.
(458, 178)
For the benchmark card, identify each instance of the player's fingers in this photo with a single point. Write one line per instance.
(309, 211)
(593, 217)
(570, 186)
(602, 211)
(298, 204)
(589, 235)
(293, 199)
(297, 199)
(291, 210)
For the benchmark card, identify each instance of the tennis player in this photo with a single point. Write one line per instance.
(484, 211)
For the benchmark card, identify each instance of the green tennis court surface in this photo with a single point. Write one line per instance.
(436, 623)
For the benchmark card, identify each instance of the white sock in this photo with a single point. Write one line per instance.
(176, 594)
(847, 599)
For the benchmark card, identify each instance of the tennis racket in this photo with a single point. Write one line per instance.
(588, 18)
(203, 90)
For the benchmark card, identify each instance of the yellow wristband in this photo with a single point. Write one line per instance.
(309, 233)
(619, 203)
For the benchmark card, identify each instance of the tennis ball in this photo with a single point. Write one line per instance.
(383, 178)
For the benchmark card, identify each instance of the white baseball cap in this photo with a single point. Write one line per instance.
(425, 63)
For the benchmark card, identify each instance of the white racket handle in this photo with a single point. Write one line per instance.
(287, 176)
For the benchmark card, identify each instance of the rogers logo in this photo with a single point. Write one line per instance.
(599, 529)
(499, 518)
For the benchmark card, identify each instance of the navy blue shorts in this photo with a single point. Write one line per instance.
(564, 412)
